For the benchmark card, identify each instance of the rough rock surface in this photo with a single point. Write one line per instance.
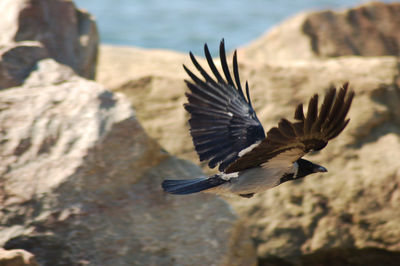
(18, 60)
(368, 30)
(16, 257)
(80, 183)
(352, 209)
(69, 35)
(153, 81)
(354, 205)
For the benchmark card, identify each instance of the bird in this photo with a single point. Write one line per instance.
(227, 133)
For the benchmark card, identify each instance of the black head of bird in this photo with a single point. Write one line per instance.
(227, 133)
(306, 168)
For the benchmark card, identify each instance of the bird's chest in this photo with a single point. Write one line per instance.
(258, 179)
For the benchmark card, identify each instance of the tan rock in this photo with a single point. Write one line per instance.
(153, 81)
(349, 256)
(69, 35)
(367, 30)
(158, 94)
(324, 212)
(80, 183)
(352, 209)
(138, 63)
(352, 206)
(16, 257)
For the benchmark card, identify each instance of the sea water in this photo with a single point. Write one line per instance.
(185, 25)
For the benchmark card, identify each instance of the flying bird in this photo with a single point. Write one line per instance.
(227, 133)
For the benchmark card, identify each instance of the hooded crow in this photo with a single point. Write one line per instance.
(227, 133)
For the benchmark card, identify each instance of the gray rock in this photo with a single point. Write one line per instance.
(81, 183)
(69, 35)
(17, 60)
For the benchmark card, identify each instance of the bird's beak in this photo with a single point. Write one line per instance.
(319, 168)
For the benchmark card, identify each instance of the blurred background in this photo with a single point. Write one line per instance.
(80, 170)
(183, 24)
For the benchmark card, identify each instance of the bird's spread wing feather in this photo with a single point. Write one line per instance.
(223, 122)
(311, 132)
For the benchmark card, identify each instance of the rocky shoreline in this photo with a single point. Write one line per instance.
(82, 160)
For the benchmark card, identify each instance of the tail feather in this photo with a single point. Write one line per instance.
(189, 186)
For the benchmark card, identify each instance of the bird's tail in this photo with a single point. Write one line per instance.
(189, 186)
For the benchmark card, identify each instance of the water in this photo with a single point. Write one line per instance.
(185, 25)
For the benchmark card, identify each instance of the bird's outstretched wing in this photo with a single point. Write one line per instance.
(289, 141)
(223, 122)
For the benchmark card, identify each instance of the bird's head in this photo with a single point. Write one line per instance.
(306, 168)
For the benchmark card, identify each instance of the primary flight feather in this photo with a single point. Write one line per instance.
(227, 133)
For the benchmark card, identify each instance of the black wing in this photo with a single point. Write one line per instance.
(223, 122)
(289, 141)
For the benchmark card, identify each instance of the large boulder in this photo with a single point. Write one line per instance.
(353, 206)
(80, 183)
(276, 86)
(367, 30)
(69, 35)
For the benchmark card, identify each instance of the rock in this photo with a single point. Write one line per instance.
(69, 35)
(80, 183)
(17, 61)
(16, 257)
(158, 93)
(153, 81)
(139, 63)
(367, 30)
(341, 256)
(351, 208)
